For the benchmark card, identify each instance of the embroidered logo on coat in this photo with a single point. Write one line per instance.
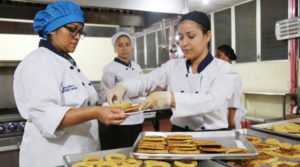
(66, 88)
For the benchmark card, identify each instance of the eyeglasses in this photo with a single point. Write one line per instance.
(74, 32)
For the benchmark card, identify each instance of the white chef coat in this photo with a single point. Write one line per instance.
(46, 86)
(235, 102)
(201, 99)
(115, 72)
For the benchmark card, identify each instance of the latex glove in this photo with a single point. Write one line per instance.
(156, 100)
(116, 94)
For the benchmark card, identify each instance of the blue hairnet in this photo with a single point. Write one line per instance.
(56, 15)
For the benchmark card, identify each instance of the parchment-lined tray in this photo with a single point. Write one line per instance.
(229, 139)
(70, 159)
(264, 136)
(258, 127)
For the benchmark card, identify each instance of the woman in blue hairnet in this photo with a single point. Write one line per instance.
(199, 85)
(53, 94)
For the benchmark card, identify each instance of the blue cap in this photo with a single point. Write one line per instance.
(56, 15)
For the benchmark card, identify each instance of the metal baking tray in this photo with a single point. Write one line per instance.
(70, 159)
(229, 139)
(264, 136)
(257, 127)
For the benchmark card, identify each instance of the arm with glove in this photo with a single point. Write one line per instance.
(157, 100)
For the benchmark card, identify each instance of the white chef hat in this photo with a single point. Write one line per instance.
(115, 37)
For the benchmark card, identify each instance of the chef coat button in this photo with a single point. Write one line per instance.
(132, 68)
(78, 70)
(71, 67)
(83, 84)
(88, 103)
(186, 127)
(186, 75)
(126, 68)
(196, 92)
(90, 84)
(202, 128)
(181, 91)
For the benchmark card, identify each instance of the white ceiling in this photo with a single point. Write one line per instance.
(212, 5)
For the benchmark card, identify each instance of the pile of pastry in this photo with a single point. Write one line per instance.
(118, 160)
(269, 151)
(182, 144)
(290, 128)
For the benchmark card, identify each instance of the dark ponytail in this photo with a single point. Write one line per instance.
(228, 51)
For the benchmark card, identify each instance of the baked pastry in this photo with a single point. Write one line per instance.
(179, 137)
(117, 158)
(244, 163)
(265, 147)
(221, 149)
(254, 140)
(272, 141)
(92, 160)
(185, 163)
(178, 151)
(237, 151)
(266, 157)
(122, 105)
(152, 151)
(132, 162)
(284, 164)
(131, 109)
(206, 143)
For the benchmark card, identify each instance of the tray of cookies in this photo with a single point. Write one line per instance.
(193, 145)
(274, 151)
(289, 128)
(122, 157)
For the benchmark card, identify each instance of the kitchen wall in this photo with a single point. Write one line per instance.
(92, 53)
(268, 76)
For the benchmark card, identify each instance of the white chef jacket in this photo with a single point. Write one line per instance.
(201, 99)
(46, 86)
(235, 102)
(115, 72)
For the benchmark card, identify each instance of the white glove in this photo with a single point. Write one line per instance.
(156, 100)
(116, 93)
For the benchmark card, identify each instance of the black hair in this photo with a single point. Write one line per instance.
(228, 51)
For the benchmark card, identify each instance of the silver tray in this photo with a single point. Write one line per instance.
(229, 139)
(70, 159)
(257, 127)
(250, 132)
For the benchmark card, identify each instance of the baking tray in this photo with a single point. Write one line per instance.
(229, 139)
(257, 127)
(70, 159)
(250, 132)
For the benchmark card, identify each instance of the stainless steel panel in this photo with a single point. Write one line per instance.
(257, 127)
(229, 139)
(165, 6)
(72, 158)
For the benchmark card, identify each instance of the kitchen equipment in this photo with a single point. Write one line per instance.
(229, 139)
(72, 158)
(258, 127)
(250, 132)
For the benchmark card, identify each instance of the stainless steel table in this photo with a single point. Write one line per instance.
(282, 94)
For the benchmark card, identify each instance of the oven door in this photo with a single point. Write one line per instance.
(9, 151)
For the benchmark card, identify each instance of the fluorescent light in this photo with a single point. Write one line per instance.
(205, 2)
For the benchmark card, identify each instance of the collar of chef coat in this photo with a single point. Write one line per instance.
(205, 62)
(48, 45)
(122, 62)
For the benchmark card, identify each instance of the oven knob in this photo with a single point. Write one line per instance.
(22, 126)
(12, 126)
(2, 129)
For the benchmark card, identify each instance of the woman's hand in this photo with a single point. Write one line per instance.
(157, 100)
(116, 93)
(110, 115)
